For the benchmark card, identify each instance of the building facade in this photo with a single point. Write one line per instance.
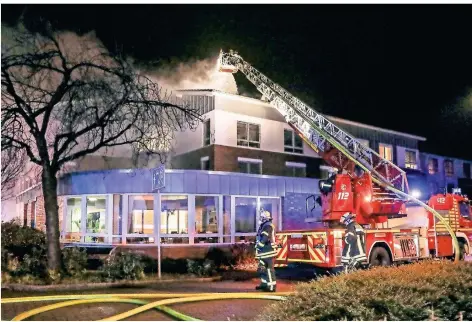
(242, 157)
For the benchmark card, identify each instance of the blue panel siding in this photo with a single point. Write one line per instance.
(183, 181)
(294, 213)
(224, 185)
(214, 184)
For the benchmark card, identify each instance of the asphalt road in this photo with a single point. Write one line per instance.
(233, 309)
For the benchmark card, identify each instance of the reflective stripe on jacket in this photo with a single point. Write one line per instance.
(265, 241)
(354, 249)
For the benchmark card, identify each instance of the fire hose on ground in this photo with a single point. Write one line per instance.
(160, 305)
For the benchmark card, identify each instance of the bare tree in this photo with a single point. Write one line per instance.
(64, 97)
(13, 163)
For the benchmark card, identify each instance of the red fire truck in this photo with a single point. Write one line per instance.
(411, 236)
(363, 183)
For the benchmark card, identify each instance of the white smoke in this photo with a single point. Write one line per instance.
(199, 74)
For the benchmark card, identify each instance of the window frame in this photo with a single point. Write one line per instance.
(433, 168)
(248, 141)
(410, 165)
(292, 148)
(451, 162)
(293, 166)
(249, 161)
(385, 146)
(202, 161)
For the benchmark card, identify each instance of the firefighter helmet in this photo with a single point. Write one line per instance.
(265, 215)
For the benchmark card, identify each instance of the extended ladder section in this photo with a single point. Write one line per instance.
(337, 147)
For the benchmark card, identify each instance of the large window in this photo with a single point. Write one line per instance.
(206, 215)
(73, 215)
(174, 218)
(294, 169)
(206, 218)
(248, 135)
(272, 205)
(433, 166)
(410, 159)
(386, 151)
(141, 215)
(227, 219)
(96, 214)
(117, 214)
(292, 142)
(253, 166)
(206, 132)
(449, 168)
(246, 215)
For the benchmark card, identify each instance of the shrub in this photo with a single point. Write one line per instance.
(23, 250)
(75, 260)
(178, 266)
(219, 257)
(243, 256)
(201, 267)
(20, 240)
(125, 265)
(407, 292)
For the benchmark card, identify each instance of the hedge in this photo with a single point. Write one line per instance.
(421, 291)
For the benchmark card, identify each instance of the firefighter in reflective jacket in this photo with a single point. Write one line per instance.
(266, 250)
(354, 248)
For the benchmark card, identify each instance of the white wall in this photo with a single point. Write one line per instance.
(9, 210)
(272, 132)
(229, 109)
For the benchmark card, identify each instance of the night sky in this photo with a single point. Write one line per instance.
(393, 66)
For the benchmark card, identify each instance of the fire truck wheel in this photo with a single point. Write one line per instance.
(380, 257)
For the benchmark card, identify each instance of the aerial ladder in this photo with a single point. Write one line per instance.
(382, 185)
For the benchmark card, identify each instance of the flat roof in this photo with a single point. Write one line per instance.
(332, 118)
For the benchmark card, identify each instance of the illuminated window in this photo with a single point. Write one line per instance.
(449, 168)
(96, 214)
(249, 135)
(206, 215)
(226, 219)
(141, 214)
(174, 215)
(432, 166)
(206, 132)
(246, 212)
(410, 160)
(272, 205)
(292, 142)
(386, 151)
(73, 215)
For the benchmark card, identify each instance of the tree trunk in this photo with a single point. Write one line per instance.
(49, 182)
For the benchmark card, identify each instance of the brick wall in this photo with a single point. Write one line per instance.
(273, 163)
(294, 212)
(191, 160)
(177, 252)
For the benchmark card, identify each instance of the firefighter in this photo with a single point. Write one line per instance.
(266, 250)
(354, 248)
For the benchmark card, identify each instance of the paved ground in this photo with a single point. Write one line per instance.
(211, 311)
